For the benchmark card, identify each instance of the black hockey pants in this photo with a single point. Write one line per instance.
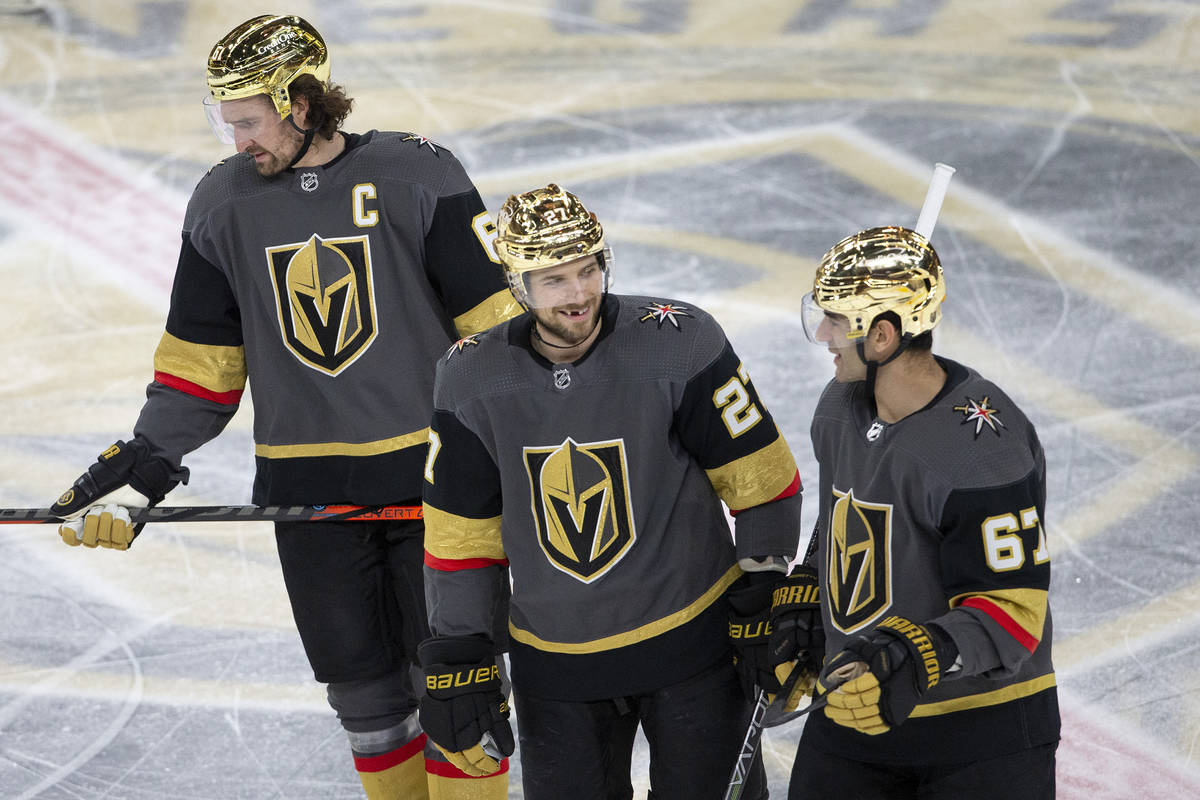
(583, 751)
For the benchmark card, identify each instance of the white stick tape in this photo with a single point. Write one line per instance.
(933, 199)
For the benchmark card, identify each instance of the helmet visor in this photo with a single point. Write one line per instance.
(573, 284)
(247, 118)
(822, 327)
(212, 111)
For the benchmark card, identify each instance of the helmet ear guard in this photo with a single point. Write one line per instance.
(545, 228)
(264, 55)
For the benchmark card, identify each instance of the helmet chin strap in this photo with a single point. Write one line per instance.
(873, 366)
(308, 139)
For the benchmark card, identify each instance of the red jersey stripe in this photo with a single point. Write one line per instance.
(456, 564)
(1027, 640)
(230, 398)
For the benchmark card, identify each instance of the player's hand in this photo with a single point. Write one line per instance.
(124, 475)
(797, 641)
(903, 661)
(750, 631)
(463, 701)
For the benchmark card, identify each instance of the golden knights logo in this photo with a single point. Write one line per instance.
(859, 561)
(325, 300)
(581, 505)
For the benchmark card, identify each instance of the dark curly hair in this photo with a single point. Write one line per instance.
(328, 106)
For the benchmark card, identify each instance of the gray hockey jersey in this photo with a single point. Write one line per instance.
(940, 518)
(599, 483)
(333, 289)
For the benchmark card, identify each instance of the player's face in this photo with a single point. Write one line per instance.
(259, 131)
(565, 300)
(832, 332)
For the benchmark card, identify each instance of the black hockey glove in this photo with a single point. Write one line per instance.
(797, 643)
(750, 630)
(464, 702)
(95, 519)
(904, 660)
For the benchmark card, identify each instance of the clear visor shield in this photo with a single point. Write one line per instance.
(247, 118)
(574, 285)
(222, 129)
(828, 330)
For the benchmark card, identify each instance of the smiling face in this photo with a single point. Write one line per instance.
(565, 300)
(258, 130)
(832, 333)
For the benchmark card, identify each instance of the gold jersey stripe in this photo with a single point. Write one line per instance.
(343, 448)
(217, 368)
(982, 700)
(497, 308)
(449, 536)
(636, 635)
(1027, 607)
(757, 478)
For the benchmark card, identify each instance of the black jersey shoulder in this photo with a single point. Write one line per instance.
(676, 336)
(410, 157)
(474, 365)
(227, 181)
(985, 438)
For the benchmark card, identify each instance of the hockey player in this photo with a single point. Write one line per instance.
(931, 552)
(588, 445)
(331, 269)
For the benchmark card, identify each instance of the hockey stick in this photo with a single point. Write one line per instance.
(338, 513)
(741, 769)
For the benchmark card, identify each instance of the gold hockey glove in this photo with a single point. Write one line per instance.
(904, 660)
(464, 711)
(95, 516)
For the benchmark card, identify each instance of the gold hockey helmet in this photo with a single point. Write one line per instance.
(262, 56)
(545, 228)
(875, 271)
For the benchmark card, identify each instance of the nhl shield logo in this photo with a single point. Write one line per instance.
(325, 300)
(859, 561)
(581, 505)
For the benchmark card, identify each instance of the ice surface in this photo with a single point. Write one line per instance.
(726, 146)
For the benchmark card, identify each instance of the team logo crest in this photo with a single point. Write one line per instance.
(325, 300)
(422, 141)
(981, 413)
(859, 561)
(581, 505)
(460, 345)
(664, 312)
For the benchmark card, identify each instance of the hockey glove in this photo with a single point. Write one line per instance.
(94, 517)
(797, 643)
(463, 701)
(750, 630)
(904, 660)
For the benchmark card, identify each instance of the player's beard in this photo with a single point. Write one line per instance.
(278, 160)
(566, 332)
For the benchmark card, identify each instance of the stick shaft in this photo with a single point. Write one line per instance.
(933, 199)
(741, 769)
(349, 513)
